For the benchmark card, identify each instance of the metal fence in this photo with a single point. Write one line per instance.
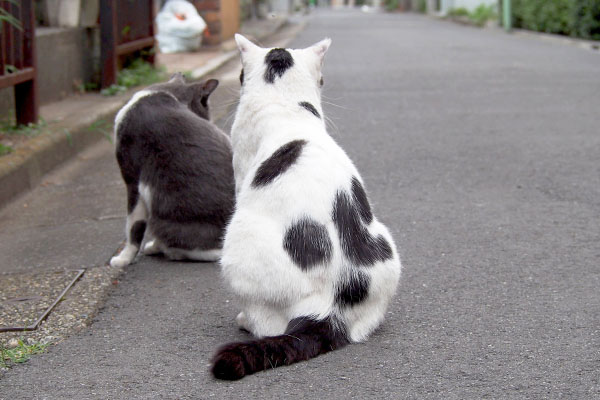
(125, 27)
(17, 57)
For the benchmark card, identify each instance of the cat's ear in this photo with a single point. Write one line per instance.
(321, 48)
(203, 90)
(177, 77)
(209, 86)
(243, 44)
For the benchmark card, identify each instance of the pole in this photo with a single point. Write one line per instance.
(506, 15)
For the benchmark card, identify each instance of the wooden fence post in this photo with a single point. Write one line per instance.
(108, 39)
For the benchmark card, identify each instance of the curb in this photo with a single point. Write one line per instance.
(23, 169)
(558, 39)
(591, 45)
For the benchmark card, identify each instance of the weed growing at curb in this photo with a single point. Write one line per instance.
(30, 129)
(103, 127)
(479, 16)
(19, 354)
(138, 73)
(5, 149)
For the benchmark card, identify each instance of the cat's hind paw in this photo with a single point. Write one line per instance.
(119, 261)
(242, 321)
(151, 248)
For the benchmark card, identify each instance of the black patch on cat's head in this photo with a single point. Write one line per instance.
(359, 246)
(242, 77)
(278, 61)
(354, 290)
(307, 243)
(306, 105)
(321, 82)
(279, 162)
(360, 198)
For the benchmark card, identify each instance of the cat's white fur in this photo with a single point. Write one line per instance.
(273, 290)
(153, 246)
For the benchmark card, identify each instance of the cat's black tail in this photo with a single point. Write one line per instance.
(303, 339)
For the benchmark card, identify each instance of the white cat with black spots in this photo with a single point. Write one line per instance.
(309, 264)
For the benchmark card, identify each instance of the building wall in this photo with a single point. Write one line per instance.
(222, 18)
(66, 57)
(230, 18)
(470, 5)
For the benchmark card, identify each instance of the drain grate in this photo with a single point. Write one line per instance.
(27, 300)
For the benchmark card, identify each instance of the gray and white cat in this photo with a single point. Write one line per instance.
(310, 265)
(176, 165)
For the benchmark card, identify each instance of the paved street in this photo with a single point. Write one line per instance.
(480, 151)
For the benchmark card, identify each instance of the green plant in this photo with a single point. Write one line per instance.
(10, 69)
(30, 129)
(113, 90)
(579, 18)
(458, 12)
(21, 353)
(87, 87)
(586, 19)
(103, 127)
(139, 72)
(6, 16)
(422, 6)
(5, 149)
(483, 14)
(391, 5)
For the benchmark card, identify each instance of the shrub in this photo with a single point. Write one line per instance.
(567, 17)
(391, 5)
(586, 19)
(458, 12)
(483, 13)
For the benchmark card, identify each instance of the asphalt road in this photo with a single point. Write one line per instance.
(481, 152)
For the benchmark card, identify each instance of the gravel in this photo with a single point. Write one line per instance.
(76, 311)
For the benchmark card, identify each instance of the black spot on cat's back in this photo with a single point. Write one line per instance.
(278, 61)
(308, 244)
(354, 290)
(306, 105)
(362, 202)
(358, 244)
(279, 162)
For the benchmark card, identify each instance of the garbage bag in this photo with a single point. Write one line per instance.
(180, 27)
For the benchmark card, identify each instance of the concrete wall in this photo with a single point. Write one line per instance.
(7, 105)
(222, 18)
(67, 58)
(470, 5)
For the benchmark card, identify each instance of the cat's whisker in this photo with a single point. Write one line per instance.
(330, 123)
(225, 105)
(231, 115)
(332, 98)
(336, 105)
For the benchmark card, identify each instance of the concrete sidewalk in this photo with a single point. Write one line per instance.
(73, 217)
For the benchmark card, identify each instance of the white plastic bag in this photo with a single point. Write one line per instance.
(180, 27)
